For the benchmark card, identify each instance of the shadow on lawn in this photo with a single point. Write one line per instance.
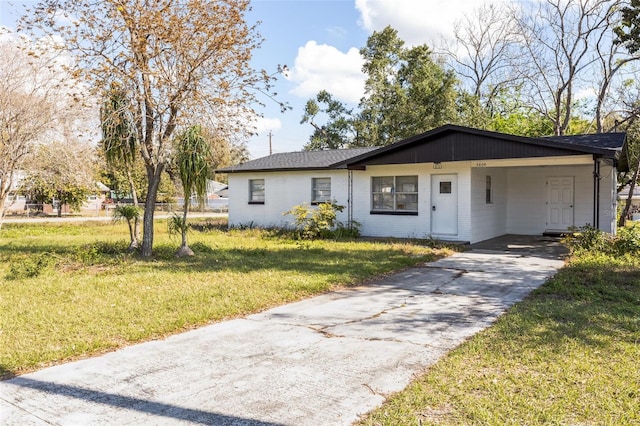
(324, 257)
(5, 373)
(309, 260)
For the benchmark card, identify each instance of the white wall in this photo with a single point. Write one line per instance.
(383, 225)
(519, 199)
(608, 198)
(488, 220)
(527, 197)
(283, 190)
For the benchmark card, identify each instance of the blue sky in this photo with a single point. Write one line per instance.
(319, 41)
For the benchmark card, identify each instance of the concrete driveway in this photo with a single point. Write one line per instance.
(322, 361)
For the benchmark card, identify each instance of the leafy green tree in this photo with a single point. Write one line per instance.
(193, 159)
(406, 92)
(628, 31)
(64, 175)
(338, 132)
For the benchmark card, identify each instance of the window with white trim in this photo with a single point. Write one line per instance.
(320, 190)
(488, 193)
(394, 194)
(256, 191)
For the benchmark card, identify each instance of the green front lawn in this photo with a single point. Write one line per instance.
(567, 355)
(70, 290)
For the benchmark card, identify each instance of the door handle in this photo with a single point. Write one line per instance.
(433, 208)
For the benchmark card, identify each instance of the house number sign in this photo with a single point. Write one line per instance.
(481, 164)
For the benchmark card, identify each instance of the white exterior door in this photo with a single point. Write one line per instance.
(444, 204)
(559, 203)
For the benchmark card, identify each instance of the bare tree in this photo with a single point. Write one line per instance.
(558, 37)
(484, 51)
(179, 61)
(27, 106)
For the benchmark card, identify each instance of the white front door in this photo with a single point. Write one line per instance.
(444, 204)
(559, 203)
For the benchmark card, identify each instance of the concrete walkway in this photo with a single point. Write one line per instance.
(322, 361)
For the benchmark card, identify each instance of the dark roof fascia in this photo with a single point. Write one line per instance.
(451, 128)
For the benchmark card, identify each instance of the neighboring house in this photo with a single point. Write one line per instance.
(452, 183)
(217, 196)
(17, 203)
(634, 210)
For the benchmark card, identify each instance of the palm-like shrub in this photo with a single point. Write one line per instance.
(132, 215)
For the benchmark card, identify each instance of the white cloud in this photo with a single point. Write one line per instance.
(264, 124)
(320, 66)
(417, 21)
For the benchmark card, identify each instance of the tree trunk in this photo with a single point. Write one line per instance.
(153, 176)
(133, 245)
(3, 198)
(136, 223)
(184, 250)
(185, 210)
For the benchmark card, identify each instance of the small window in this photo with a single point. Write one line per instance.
(256, 191)
(391, 194)
(488, 193)
(320, 190)
(445, 187)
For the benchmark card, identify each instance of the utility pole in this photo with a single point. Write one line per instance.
(270, 150)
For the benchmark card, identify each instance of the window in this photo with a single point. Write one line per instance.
(256, 191)
(445, 187)
(320, 190)
(488, 193)
(394, 194)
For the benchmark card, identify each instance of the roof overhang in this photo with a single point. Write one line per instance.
(455, 143)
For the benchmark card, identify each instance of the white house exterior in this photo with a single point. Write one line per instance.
(453, 183)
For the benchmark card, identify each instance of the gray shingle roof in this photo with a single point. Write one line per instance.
(600, 140)
(299, 160)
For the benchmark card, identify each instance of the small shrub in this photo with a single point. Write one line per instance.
(627, 240)
(31, 266)
(589, 239)
(321, 222)
(344, 231)
(177, 225)
(202, 248)
(100, 252)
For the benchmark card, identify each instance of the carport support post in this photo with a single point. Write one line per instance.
(596, 192)
(350, 198)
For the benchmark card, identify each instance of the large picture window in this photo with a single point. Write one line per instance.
(394, 194)
(256, 191)
(320, 190)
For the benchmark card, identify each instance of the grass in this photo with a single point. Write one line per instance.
(568, 354)
(70, 290)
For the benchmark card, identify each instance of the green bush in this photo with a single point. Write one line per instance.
(591, 239)
(31, 266)
(321, 222)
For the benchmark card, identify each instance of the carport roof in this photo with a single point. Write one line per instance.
(444, 144)
(457, 143)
